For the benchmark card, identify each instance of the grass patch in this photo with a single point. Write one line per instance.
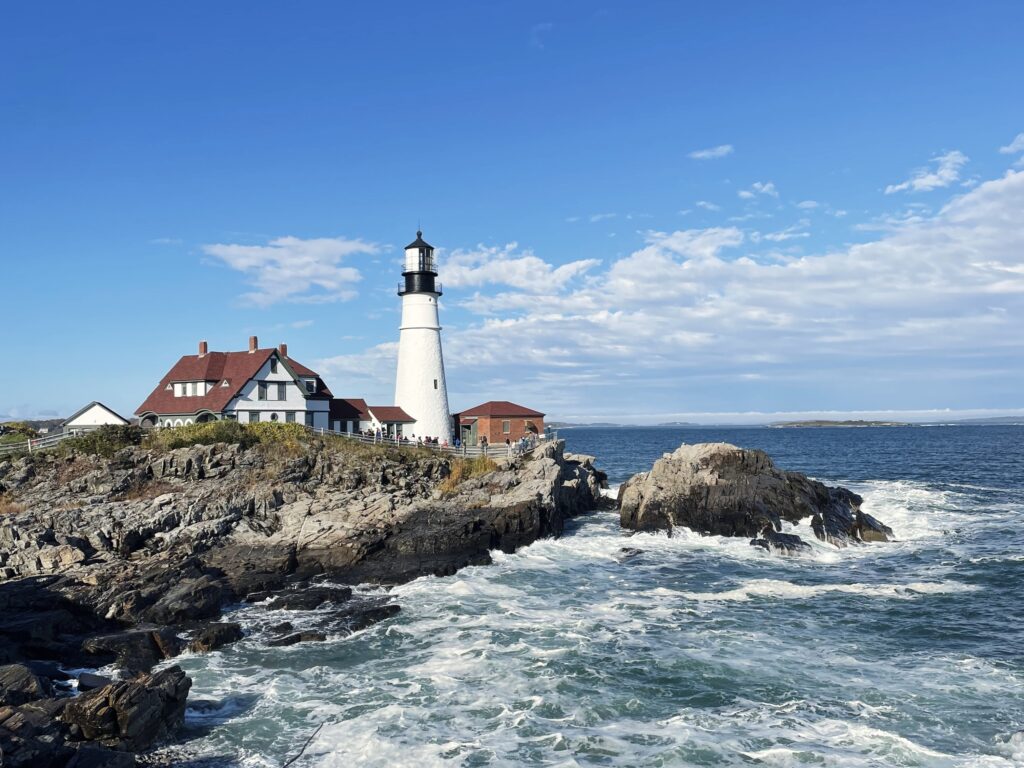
(9, 507)
(463, 470)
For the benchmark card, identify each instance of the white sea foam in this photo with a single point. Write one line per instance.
(785, 590)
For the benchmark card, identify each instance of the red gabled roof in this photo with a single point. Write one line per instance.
(348, 408)
(237, 368)
(390, 413)
(494, 408)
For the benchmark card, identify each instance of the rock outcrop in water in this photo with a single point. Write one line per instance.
(111, 560)
(719, 489)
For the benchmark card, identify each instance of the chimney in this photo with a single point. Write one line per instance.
(253, 343)
(283, 350)
(202, 349)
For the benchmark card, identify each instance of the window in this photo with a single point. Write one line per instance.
(311, 386)
(273, 365)
(281, 394)
(254, 417)
(273, 417)
(192, 389)
(506, 426)
(435, 383)
(309, 418)
(289, 416)
(262, 390)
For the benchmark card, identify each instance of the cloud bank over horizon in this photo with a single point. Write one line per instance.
(936, 301)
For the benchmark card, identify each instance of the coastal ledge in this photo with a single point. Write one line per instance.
(112, 559)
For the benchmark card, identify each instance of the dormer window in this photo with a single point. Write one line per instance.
(311, 386)
(273, 365)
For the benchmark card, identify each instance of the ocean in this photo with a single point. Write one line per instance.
(602, 648)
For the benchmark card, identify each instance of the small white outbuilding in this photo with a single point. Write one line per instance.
(93, 416)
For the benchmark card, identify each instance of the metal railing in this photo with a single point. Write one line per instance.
(497, 451)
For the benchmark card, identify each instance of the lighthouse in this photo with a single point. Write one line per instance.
(420, 388)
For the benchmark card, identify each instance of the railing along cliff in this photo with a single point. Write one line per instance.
(496, 451)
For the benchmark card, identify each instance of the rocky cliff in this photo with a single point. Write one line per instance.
(111, 560)
(719, 489)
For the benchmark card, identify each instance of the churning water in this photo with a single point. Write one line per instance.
(601, 648)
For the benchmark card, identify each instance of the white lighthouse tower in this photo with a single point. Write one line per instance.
(420, 388)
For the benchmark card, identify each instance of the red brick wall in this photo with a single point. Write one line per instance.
(493, 428)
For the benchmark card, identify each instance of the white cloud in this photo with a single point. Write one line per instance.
(808, 204)
(759, 188)
(507, 266)
(595, 217)
(1015, 146)
(946, 171)
(713, 153)
(708, 206)
(295, 270)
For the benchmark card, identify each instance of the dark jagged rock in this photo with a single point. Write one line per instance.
(88, 681)
(136, 650)
(214, 636)
(20, 685)
(781, 543)
(134, 714)
(308, 598)
(31, 736)
(719, 489)
(297, 637)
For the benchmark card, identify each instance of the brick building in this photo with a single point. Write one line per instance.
(498, 420)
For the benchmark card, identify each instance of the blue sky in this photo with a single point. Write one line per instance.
(644, 211)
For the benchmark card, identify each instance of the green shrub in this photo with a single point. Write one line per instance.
(210, 432)
(105, 441)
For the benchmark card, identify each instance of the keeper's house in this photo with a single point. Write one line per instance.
(498, 420)
(250, 386)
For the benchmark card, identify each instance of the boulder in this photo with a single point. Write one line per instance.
(214, 636)
(133, 714)
(19, 685)
(781, 543)
(137, 650)
(719, 489)
(297, 637)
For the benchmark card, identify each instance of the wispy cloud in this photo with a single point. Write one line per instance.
(707, 206)
(808, 204)
(946, 171)
(165, 241)
(595, 217)
(1015, 146)
(295, 270)
(759, 188)
(712, 153)
(539, 33)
